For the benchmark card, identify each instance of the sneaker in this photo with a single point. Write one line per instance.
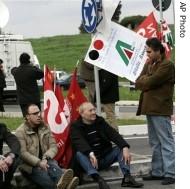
(102, 184)
(65, 179)
(168, 180)
(152, 177)
(129, 181)
(74, 183)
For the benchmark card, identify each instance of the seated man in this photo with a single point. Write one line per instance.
(9, 161)
(91, 139)
(38, 148)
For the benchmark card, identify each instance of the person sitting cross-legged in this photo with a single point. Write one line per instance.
(91, 138)
(38, 148)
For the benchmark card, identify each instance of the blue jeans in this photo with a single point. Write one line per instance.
(46, 179)
(114, 156)
(163, 146)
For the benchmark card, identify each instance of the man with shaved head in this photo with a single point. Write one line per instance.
(92, 139)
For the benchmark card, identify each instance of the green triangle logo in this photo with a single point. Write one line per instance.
(125, 51)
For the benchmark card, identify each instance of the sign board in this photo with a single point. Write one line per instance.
(89, 15)
(118, 54)
(165, 4)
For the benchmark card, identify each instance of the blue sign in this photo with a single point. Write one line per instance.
(89, 15)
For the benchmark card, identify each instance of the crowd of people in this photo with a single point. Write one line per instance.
(96, 142)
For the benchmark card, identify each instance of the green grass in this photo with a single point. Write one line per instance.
(13, 123)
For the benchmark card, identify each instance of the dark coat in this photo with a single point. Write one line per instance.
(26, 77)
(109, 89)
(10, 139)
(156, 82)
(2, 80)
(107, 134)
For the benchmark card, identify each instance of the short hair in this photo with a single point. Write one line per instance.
(24, 58)
(1, 61)
(82, 106)
(28, 106)
(156, 45)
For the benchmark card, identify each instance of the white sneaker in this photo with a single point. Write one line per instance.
(65, 179)
(74, 183)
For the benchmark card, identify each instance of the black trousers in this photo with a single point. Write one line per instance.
(1, 100)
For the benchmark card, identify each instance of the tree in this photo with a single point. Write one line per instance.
(132, 21)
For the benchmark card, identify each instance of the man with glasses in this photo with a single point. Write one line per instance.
(38, 148)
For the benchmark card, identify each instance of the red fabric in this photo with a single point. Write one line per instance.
(75, 96)
(54, 115)
(149, 27)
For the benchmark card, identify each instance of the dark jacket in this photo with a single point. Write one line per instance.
(109, 89)
(107, 134)
(156, 82)
(26, 77)
(2, 79)
(87, 71)
(10, 139)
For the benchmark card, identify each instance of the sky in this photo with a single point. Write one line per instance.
(38, 18)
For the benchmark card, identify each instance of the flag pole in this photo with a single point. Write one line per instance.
(161, 16)
(54, 78)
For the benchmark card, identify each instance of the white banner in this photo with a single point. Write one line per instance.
(121, 51)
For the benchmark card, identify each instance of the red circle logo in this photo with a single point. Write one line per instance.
(98, 44)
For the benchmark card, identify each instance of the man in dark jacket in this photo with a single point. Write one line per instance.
(2, 85)
(156, 82)
(26, 76)
(109, 94)
(91, 139)
(8, 161)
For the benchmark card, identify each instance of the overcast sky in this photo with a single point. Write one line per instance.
(37, 18)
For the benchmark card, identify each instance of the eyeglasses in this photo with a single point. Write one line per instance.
(34, 113)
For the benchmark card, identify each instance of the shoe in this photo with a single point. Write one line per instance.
(168, 180)
(102, 183)
(74, 183)
(152, 177)
(65, 179)
(129, 181)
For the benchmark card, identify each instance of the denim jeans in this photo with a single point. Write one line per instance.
(163, 146)
(114, 156)
(46, 179)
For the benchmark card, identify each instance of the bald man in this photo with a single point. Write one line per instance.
(91, 139)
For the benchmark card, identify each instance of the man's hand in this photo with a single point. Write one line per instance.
(44, 165)
(8, 160)
(126, 155)
(93, 160)
(3, 166)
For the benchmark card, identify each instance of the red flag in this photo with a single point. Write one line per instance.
(166, 38)
(54, 115)
(149, 27)
(75, 98)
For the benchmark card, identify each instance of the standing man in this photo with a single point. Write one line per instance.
(87, 73)
(38, 148)
(156, 82)
(91, 139)
(8, 161)
(109, 94)
(2, 85)
(26, 76)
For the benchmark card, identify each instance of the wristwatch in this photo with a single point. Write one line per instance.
(46, 158)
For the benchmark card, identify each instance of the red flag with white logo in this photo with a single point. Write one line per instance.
(54, 115)
(149, 27)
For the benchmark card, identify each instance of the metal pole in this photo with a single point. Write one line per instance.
(173, 4)
(97, 89)
(161, 15)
